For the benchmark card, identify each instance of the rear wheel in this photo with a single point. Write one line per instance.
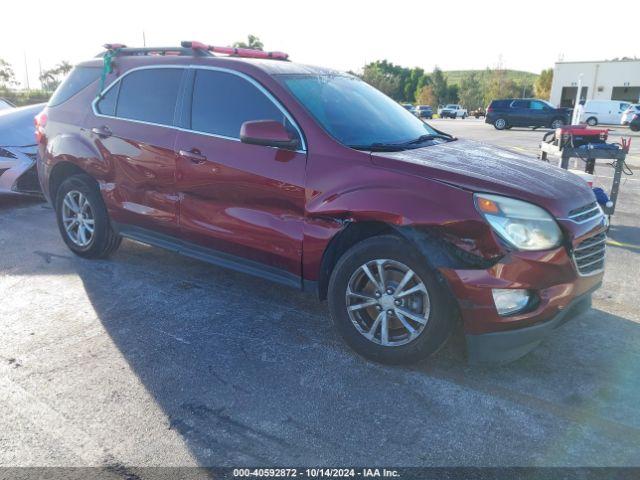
(592, 121)
(83, 220)
(387, 304)
(557, 123)
(500, 123)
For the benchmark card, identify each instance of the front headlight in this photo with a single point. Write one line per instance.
(521, 224)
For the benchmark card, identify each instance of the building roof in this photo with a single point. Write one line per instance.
(628, 60)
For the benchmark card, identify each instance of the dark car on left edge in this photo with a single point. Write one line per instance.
(18, 150)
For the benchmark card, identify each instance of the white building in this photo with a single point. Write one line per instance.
(606, 80)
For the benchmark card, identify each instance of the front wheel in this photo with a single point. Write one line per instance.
(387, 304)
(83, 220)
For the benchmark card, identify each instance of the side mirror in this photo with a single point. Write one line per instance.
(268, 133)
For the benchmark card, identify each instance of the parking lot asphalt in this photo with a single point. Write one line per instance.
(150, 358)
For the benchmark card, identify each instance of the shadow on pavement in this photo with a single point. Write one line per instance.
(252, 374)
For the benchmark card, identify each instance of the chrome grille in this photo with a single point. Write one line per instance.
(586, 213)
(589, 254)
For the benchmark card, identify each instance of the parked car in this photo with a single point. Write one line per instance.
(609, 112)
(6, 104)
(453, 111)
(409, 107)
(18, 150)
(628, 114)
(478, 112)
(315, 179)
(634, 124)
(424, 111)
(525, 112)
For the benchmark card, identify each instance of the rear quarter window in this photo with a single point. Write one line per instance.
(79, 79)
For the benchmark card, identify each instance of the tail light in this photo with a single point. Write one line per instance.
(489, 109)
(40, 121)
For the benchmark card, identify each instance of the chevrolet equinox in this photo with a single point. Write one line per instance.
(312, 178)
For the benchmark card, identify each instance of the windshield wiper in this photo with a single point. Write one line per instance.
(427, 137)
(380, 147)
(398, 147)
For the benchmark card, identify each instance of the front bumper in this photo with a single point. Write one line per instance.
(552, 277)
(505, 347)
(18, 174)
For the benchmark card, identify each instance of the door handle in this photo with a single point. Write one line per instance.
(194, 155)
(102, 132)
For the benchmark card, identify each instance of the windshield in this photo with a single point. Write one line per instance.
(353, 112)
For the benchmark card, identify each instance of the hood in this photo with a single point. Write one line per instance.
(16, 125)
(480, 167)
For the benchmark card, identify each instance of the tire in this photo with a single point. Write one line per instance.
(500, 123)
(557, 123)
(79, 206)
(592, 121)
(634, 128)
(435, 306)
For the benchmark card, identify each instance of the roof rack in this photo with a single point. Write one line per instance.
(234, 52)
(121, 50)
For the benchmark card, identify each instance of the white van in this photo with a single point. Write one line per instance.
(608, 112)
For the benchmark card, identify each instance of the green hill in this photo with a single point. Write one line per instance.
(455, 76)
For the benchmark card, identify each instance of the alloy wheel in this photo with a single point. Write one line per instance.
(387, 302)
(78, 218)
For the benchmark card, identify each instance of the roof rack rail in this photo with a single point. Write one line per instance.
(121, 50)
(234, 52)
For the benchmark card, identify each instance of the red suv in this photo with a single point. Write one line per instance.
(314, 179)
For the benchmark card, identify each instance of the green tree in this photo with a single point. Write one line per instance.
(50, 79)
(7, 77)
(440, 87)
(252, 42)
(387, 82)
(426, 96)
(471, 91)
(500, 86)
(542, 85)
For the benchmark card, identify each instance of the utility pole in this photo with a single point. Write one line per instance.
(144, 39)
(26, 70)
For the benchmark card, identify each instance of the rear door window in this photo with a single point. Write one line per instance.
(77, 80)
(148, 95)
(520, 104)
(222, 102)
